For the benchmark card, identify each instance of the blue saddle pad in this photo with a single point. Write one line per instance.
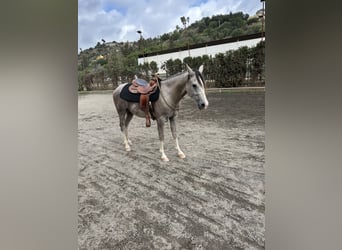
(141, 82)
(130, 97)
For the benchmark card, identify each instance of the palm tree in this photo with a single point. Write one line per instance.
(183, 20)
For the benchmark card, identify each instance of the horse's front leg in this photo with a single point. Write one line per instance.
(160, 125)
(174, 135)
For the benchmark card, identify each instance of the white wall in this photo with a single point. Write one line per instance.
(208, 50)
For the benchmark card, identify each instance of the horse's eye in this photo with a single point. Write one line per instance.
(194, 86)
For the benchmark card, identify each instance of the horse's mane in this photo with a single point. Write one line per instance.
(173, 76)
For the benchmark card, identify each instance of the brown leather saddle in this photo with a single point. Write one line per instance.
(145, 89)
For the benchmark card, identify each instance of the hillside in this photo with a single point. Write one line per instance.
(103, 62)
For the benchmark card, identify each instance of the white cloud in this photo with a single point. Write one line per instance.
(125, 30)
(118, 20)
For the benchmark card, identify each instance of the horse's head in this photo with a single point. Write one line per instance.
(195, 87)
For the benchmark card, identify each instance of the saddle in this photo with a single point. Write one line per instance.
(145, 89)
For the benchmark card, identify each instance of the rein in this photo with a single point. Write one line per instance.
(161, 94)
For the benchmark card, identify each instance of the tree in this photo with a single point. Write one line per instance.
(239, 67)
(88, 80)
(80, 80)
(84, 62)
(154, 67)
(220, 62)
(102, 61)
(183, 20)
(237, 32)
(168, 67)
(130, 67)
(144, 68)
(201, 26)
(188, 60)
(99, 75)
(172, 66)
(115, 66)
(177, 66)
(258, 61)
(126, 49)
(213, 24)
(175, 36)
(254, 28)
(253, 19)
(165, 37)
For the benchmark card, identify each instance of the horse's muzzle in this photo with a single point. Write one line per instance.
(202, 106)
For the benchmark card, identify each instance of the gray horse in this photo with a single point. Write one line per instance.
(172, 90)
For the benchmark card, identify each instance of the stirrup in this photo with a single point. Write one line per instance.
(148, 123)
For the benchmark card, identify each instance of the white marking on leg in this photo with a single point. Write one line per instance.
(163, 157)
(126, 141)
(126, 134)
(180, 152)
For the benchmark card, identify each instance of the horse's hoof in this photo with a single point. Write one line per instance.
(128, 149)
(181, 155)
(164, 158)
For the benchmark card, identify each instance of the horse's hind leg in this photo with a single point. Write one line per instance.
(122, 117)
(129, 117)
(174, 135)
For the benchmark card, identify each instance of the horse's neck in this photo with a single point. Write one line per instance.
(175, 89)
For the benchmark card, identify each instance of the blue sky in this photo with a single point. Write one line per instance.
(119, 20)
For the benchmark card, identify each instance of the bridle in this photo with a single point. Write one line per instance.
(199, 78)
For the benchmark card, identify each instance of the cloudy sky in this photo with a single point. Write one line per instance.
(119, 20)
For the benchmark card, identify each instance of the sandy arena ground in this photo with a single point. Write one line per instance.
(213, 199)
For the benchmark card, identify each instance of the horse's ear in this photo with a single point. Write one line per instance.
(201, 69)
(188, 68)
